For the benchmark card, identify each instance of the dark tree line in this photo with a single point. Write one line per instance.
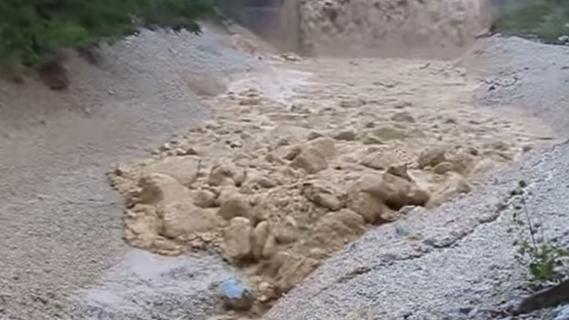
(32, 31)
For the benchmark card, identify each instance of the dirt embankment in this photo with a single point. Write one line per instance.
(394, 28)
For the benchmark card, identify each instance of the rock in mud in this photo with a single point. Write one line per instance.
(142, 225)
(157, 188)
(184, 169)
(400, 171)
(394, 191)
(205, 199)
(336, 229)
(367, 206)
(388, 133)
(183, 218)
(270, 248)
(443, 167)
(453, 185)
(310, 160)
(292, 152)
(226, 174)
(346, 135)
(286, 231)
(463, 162)
(403, 117)
(237, 205)
(352, 104)
(323, 195)
(237, 239)
(266, 292)
(325, 146)
(293, 269)
(431, 157)
(370, 139)
(381, 160)
(236, 295)
(314, 135)
(260, 235)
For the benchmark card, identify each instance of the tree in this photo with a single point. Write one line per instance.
(32, 31)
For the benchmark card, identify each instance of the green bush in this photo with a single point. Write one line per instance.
(545, 19)
(32, 31)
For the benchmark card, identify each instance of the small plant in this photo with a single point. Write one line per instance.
(545, 260)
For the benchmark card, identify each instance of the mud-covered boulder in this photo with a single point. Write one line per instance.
(237, 205)
(310, 160)
(403, 116)
(183, 218)
(380, 160)
(157, 188)
(323, 195)
(291, 270)
(400, 170)
(444, 167)
(204, 198)
(286, 231)
(336, 229)
(260, 235)
(396, 192)
(226, 174)
(237, 239)
(370, 208)
(463, 162)
(431, 157)
(452, 185)
(184, 169)
(324, 145)
(387, 133)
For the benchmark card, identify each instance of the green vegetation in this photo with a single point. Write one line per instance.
(545, 260)
(546, 20)
(32, 31)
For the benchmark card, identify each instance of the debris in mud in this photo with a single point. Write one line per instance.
(277, 191)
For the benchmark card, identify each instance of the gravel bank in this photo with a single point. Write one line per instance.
(61, 222)
(457, 262)
(521, 73)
